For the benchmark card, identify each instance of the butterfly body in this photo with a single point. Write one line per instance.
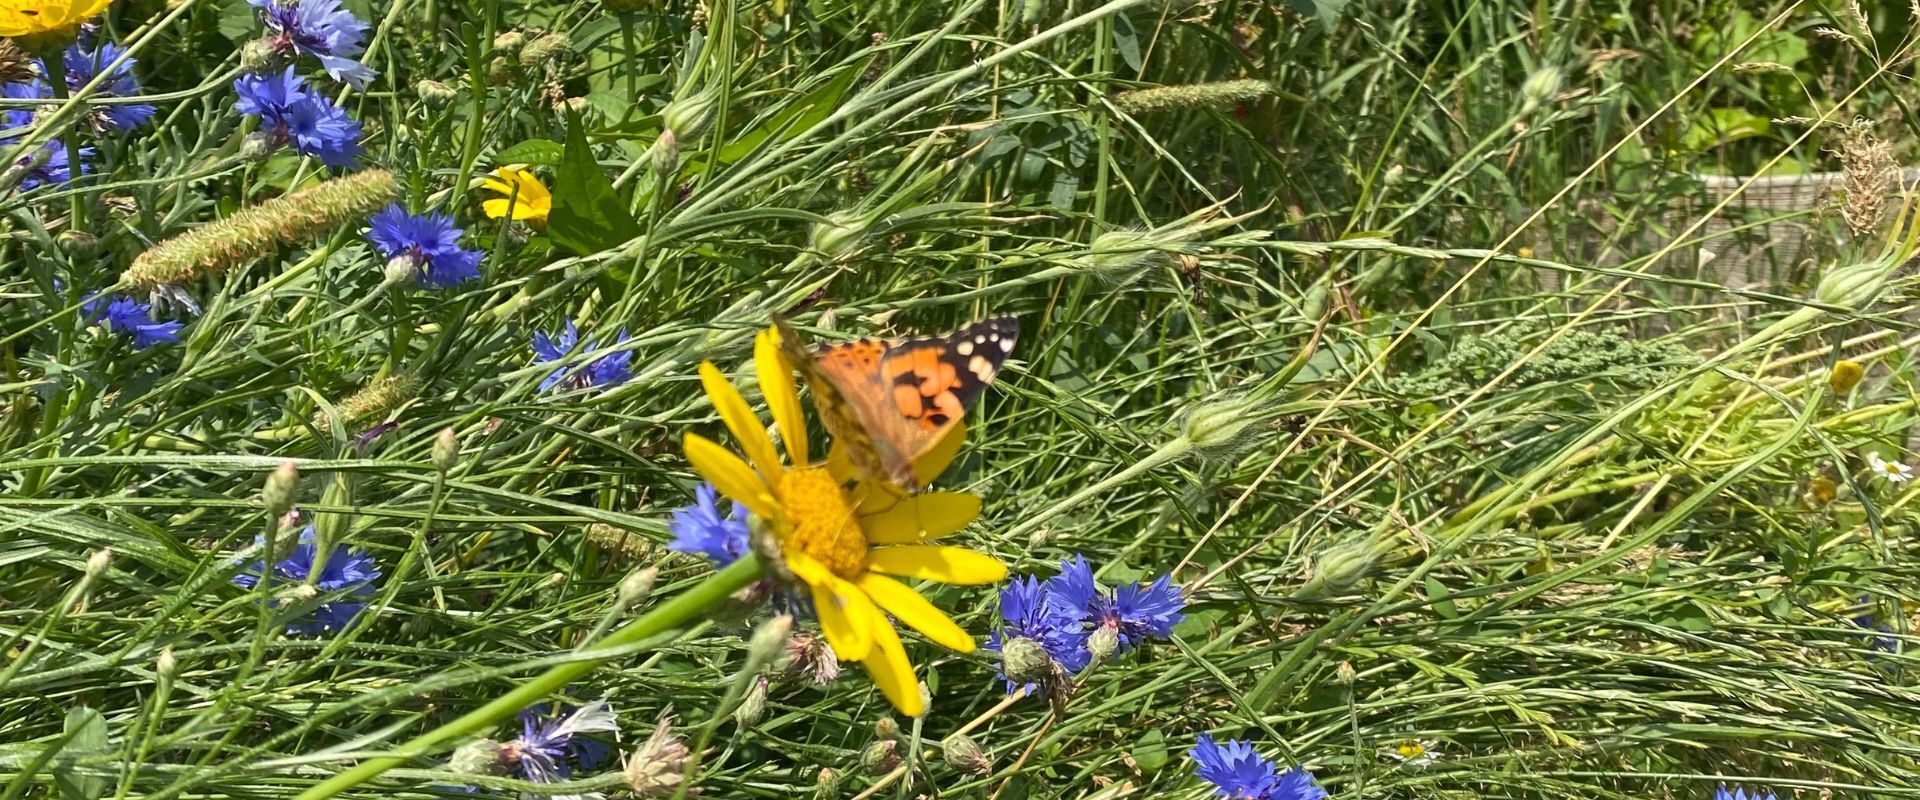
(890, 401)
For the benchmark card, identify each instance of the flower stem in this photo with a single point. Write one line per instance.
(672, 614)
(57, 78)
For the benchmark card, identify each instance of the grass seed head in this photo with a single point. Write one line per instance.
(256, 231)
(1222, 94)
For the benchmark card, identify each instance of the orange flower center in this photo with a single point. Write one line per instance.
(821, 521)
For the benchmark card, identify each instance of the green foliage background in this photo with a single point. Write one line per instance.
(1567, 531)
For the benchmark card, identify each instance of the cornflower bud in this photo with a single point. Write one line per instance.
(446, 450)
(964, 755)
(880, 758)
(283, 487)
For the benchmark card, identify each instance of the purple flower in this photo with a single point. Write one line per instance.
(547, 741)
(428, 242)
(352, 571)
(1885, 643)
(1135, 613)
(1033, 612)
(1239, 773)
(322, 29)
(129, 317)
(83, 65)
(47, 165)
(699, 528)
(290, 112)
(607, 370)
(1723, 793)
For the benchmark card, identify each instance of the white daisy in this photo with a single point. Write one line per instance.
(1893, 471)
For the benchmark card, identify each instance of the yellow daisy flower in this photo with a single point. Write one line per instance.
(846, 542)
(29, 17)
(524, 195)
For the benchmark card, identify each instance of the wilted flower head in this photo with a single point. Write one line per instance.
(608, 370)
(1239, 773)
(657, 767)
(319, 28)
(428, 243)
(547, 750)
(350, 570)
(290, 112)
(699, 528)
(809, 656)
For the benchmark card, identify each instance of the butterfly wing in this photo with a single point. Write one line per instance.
(888, 402)
(927, 385)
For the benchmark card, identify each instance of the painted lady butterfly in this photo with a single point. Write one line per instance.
(890, 401)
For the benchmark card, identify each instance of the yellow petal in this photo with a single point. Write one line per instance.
(839, 464)
(729, 474)
(933, 462)
(955, 565)
(921, 517)
(783, 398)
(902, 601)
(893, 673)
(740, 419)
(846, 614)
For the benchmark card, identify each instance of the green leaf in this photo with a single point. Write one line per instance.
(1326, 12)
(237, 21)
(798, 117)
(86, 734)
(1724, 126)
(532, 151)
(1150, 751)
(1126, 41)
(588, 215)
(1441, 599)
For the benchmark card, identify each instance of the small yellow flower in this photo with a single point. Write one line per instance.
(29, 17)
(846, 542)
(523, 195)
(1414, 752)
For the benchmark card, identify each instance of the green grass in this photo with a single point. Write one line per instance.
(1570, 537)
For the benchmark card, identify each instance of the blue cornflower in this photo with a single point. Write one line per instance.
(547, 741)
(608, 370)
(1741, 794)
(1134, 613)
(129, 317)
(699, 528)
(48, 164)
(351, 570)
(84, 64)
(1885, 644)
(429, 243)
(322, 29)
(1240, 773)
(1033, 612)
(290, 112)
